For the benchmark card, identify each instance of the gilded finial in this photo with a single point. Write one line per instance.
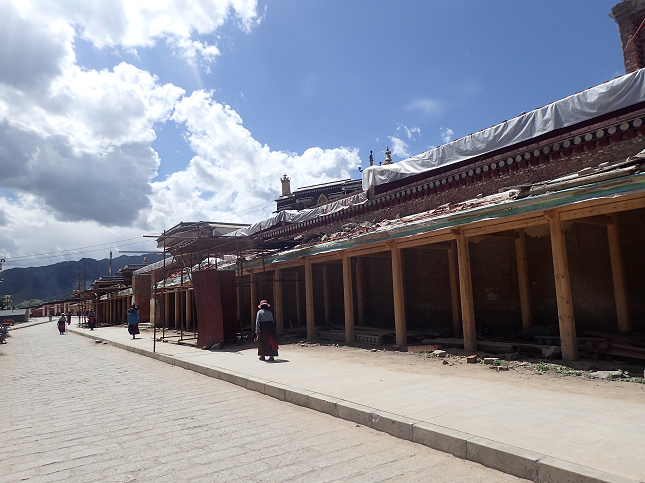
(388, 158)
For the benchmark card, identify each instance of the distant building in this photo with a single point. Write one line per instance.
(315, 195)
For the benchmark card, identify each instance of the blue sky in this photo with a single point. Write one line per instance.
(128, 127)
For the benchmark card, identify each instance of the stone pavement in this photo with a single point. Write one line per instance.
(76, 411)
(604, 437)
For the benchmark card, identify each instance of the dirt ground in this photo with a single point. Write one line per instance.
(555, 375)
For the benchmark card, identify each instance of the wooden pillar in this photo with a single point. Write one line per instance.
(309, 300)
(348, 299)
(189, 309)
(360, 292)
(298, 299)
(618, 275)
(278, 309)
(166, 310)
(153, 311)
(240, 280)
(399, 297)
(453, 269)
(563, 288)
(466, 292)
(523, 279)
(177, 310)
(326, 294)
(254, 299)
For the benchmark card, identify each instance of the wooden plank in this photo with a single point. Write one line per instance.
(602, 206)
(466, 292)
(515, 222)
(431, 246)
(254, 299)
(309, 300)
(360, 292)
(618, 276)
(595, 220)
(563, 288)
(431, 238)
(298, 286)
(348, 299)
(326, 304)
(399, 296)
(278, 301)
(453, 268)
(368, 250)
(523, 278)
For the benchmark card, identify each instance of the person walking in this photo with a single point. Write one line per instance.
(133, 320)
(69, 317)
(266, 335)
(61, 324)
(91, 318)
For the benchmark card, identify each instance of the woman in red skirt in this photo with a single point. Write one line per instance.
(266, 334)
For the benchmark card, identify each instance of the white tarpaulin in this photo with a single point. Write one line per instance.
(293, 216)
(603, 99)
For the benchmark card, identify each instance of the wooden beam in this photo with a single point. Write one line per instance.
(566, 319)
(360, 291)
(433, 246)
(514, 222)
(369, 250)
(348, 300)
(595, 220)
(298, 300)
(618, 275)
(278, 309)
(502, 234)
(453, 268)
(523, 278)
(431, 238)
(166, 310)
(177, 310)
(325, 273)
(254, 299)
(189, 309)
(399, 296)
(309, 300)
(466, 292)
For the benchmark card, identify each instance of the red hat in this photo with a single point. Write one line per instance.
(263, 302)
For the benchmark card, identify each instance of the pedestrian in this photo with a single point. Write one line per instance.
(61, 324)
(69, 317)
(266, 335)
(91, 317)
(133, 320)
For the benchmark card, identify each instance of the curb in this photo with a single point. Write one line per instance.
(508, 459)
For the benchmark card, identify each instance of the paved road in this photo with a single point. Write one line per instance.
(76, 411)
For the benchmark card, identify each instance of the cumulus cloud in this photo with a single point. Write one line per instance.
(137, 23)
(233, 172)
(399, 147)
(446, 134)
(75, 143)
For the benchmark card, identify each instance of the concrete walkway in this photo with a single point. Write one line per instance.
(540, 435)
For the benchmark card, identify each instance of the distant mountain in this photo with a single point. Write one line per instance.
(57, 281)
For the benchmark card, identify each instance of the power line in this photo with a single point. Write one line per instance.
(76, 251)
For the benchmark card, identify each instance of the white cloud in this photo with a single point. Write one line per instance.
(233, 172)
(138, 23)
(409, 132)
(399, 147)
(446, 134)
(425, 106)
(75, 143)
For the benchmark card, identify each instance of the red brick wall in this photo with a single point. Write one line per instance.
(142, 289)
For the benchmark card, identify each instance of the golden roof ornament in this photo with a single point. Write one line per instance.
(388, 158)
